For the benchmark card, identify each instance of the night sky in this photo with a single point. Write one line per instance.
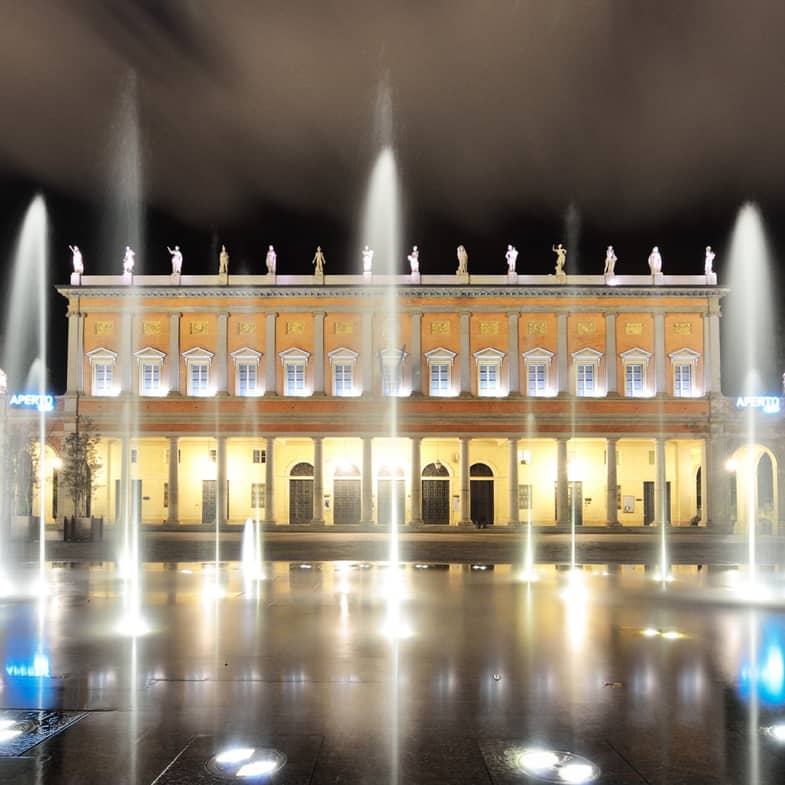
(647, 123)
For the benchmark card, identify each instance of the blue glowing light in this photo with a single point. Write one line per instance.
(767, 679)
(38, 668)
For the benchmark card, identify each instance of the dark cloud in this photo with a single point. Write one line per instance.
(629, 110)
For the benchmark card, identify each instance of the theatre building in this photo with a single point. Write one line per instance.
(445, 400)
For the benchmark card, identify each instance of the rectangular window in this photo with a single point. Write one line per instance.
(257, 495)
(295, 378)
(633, 379)
(212, 455)
(103, 378)
(440, 379)
(197, 378)
(585, 380)
(259, 456)
(343, 383)
(166, 495)
(682, 380)
(391, 378)
(151, 378)
(134, 455)
(536, 378)
(246, 378)
(489, 379)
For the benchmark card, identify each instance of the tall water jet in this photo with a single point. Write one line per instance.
(24, 356)
(749, 332)
(381, 231)
(126, 189)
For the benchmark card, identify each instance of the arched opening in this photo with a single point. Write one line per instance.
(346, 494)
(391, 495)
(435, 494)
(301, 493)
(765, 491)
(481, 494)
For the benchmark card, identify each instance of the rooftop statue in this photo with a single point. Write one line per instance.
(708, 265)
(128, 260)
(561, 258)
(610, 261)
(223, 261)
(512, 257)
(271, 260)
(414, 260)
(655, 261)
(76, 259)
(319, 261)
(367, 259)
(463, 261)
(177, 259)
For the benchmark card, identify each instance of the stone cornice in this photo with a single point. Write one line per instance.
(413, 292)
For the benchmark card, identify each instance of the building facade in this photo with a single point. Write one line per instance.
(343, 400)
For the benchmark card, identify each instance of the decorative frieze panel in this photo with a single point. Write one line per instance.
(586, 327)
(536, 328)
(199, 327)
(246, 328)
(633, 328)
(104, 327)
(151, 327)
(440, 327)
(489, 328)
(343, 327)
(682, 328)
(295, 327)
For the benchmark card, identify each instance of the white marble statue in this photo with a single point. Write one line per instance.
(414, 260)
(223, 261)
(367, 259)
(319, 261)
(512, 257)
(76, 259)
(177, 259)
(610, 261)
(561, 258)
(708, 264)
(271, 260)
(128, 261)
(463, 261)
(655, 261)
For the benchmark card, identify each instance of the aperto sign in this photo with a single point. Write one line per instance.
(770, 404)
(43, 403)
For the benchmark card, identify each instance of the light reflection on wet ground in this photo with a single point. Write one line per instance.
(479, 663)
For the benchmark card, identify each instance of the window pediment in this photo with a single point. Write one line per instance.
(587, 355)
(149, 353)
(295, 354)
(489, 354)
(101, 354)
(246, 354)
(538, 355)
(342, 354)
(440, 354)
(685, 355)
(636, 355)
(197, 354)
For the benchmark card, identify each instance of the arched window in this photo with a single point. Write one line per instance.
(435, 470)
(480, 470)
(301, 470)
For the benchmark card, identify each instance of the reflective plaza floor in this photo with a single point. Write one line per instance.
(358, 673)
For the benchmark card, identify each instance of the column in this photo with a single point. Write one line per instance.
(513, 473)
(269, 352)
(269, 480)
(221, 354)
(465, 356)
(659, 354)
(318, 353)
(367, 354)
(220, 486)
(716, 502)
(75, 350)
(562, 480)
(611, 481)
(712, 348)
(366, 513)
(416, 329)
(126, 353)
(515, 360)
(318, 481)
(610, 355)
(415, 482)
(561, 353)
(465, 507)
(660, 488)
(174, 353)
(174, 476)
(124, 503)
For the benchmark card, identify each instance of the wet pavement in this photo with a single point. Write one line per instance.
(359, 673)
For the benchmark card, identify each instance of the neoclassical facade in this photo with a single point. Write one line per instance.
(343, 400)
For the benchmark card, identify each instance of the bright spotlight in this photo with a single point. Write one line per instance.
(538, 760)
(7, 735)
(577, 772)
(649, 632)
(776, 732)
(234, 755)
(257, 768)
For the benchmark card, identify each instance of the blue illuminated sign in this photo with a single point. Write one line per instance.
(43, 403)
(769, 403)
